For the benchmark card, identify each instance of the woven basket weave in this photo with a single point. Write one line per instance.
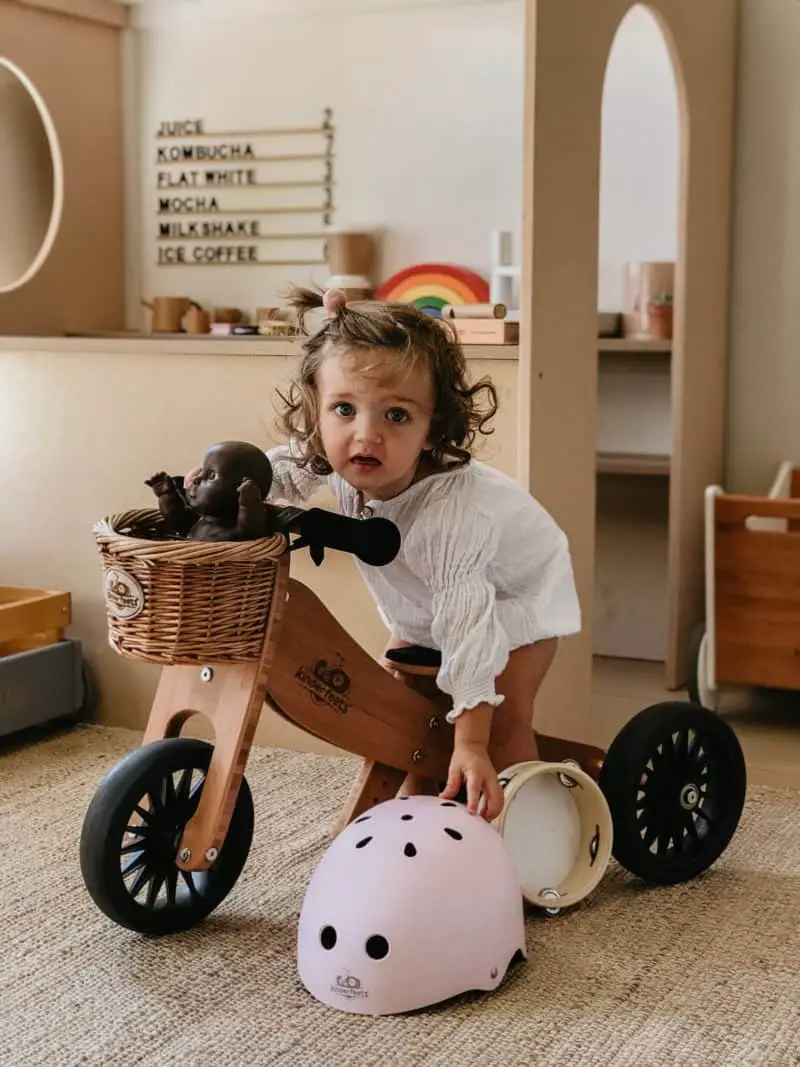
(179, 601)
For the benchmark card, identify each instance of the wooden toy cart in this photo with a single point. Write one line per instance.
(751, 635)
(42, 673)
(169, 829)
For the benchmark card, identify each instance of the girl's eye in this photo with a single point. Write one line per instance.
(345, 410)
(397, 415)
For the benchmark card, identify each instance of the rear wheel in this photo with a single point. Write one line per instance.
(675, 781)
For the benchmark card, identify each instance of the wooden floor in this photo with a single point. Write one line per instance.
(768, 725)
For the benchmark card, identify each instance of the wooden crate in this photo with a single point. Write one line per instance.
(756, 581)
(32, 618)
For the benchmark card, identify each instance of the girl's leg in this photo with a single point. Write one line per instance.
(414, 784)
(512, 739)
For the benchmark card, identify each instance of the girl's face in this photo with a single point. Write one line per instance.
(374, 420)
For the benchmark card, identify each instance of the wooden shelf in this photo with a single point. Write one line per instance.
(632, 346)
(637, 463)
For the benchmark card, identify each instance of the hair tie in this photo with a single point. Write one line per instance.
(334, 299)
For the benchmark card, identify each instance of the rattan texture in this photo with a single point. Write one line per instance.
(199, 601)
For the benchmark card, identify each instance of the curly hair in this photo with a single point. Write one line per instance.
(461, 411)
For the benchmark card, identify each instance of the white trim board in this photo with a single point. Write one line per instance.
(146, 14)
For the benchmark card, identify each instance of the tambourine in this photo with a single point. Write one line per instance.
(557, 827)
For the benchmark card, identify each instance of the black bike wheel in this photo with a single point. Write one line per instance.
(131, 831)
(675, 781)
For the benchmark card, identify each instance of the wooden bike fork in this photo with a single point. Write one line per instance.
(230, 696)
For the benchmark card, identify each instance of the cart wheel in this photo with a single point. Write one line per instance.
(131, 831)
(675, 779)
(697, 687)
(722, 699)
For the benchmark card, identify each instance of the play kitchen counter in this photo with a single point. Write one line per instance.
(188, 344)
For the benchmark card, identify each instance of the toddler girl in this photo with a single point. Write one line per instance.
(382, 410)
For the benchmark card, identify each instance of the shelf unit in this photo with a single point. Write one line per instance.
(634, 463)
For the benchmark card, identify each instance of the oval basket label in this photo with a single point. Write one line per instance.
(124, 596)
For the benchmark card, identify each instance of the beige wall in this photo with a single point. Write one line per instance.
(80, 431)
(764, 362)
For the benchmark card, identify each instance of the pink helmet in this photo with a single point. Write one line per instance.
(415, 902)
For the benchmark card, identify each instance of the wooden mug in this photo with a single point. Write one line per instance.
(232, 315)
(197, 320)
(168, 312)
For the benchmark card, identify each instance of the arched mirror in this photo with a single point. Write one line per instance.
(31, 179)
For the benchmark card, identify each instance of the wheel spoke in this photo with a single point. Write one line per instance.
(169, 792)
(143, 877)
(172, 886)
(139, 830)
(701, 814)
(139, 861)
(144, 813)
(184, 786)
(135, 846)
(154, 890)
(188, 877)
(157, 800)
(690, 825)
(649, 836)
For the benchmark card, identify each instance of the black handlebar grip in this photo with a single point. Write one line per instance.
(374, 541)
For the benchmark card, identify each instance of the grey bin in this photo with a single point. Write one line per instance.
(40, 685)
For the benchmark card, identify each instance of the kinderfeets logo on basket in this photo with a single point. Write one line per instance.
(123, 595)
(327, 683)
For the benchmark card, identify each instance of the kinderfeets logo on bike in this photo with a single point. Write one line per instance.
(327, 683)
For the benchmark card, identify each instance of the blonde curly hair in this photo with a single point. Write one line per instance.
(461, 411)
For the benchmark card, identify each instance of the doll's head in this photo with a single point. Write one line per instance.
(387, 341)
(214, 491)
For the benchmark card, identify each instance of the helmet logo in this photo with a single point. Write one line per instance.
(347, 985)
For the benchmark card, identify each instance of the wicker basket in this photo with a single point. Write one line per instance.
(170, 600)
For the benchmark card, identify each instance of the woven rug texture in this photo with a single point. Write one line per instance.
(701, 974)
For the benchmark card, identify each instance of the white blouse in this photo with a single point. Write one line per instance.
(482, 569)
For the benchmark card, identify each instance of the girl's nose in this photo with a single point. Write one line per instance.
(368, 430)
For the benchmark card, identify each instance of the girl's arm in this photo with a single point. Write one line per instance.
(290, 482)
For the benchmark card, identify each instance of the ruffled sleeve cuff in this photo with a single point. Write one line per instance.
(484, 695)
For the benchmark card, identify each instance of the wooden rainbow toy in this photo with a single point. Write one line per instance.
(429, 286)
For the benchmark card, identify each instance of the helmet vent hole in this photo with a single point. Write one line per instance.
(327, 937)
(449, 804)
(364, 818)
(410, 850)
(406, 818)
(364, 841)
(456, 836)
(377, 947)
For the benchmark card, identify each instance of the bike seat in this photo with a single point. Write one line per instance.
(415, 656)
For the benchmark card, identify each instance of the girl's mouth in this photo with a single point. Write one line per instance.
(365, 462)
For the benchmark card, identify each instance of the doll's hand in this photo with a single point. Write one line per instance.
(470, 763)
(161, 484)
(249, 494)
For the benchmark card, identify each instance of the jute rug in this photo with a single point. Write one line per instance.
(706, 973)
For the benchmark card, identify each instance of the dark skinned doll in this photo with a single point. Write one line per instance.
(224, 501)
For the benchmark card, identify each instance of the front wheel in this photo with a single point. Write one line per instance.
(131, 832)
(675, 781)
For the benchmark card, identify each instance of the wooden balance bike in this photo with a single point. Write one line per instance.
(169, 829)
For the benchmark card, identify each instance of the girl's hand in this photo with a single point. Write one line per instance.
(191, 477)
(470, 763)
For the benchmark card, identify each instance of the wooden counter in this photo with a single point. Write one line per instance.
(193, 345)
